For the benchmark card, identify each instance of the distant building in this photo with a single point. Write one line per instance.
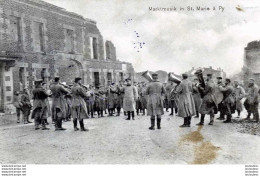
(251, 67)
(208, 70)
(39, 41)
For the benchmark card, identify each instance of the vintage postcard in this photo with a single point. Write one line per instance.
(172, 82)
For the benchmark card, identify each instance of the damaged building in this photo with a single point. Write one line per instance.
(39, 41)
(251, 68)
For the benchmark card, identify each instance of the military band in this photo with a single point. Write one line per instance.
(186, 97)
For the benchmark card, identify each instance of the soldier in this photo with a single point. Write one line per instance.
(168, 90)
(174, 99)
(91, 101)
(155, 92)
(120, 97)
(143, 97)
(78, 105)
(130, 96)
(137, 103)
(239, 95)
(221, 106)
(58, 103)
(17, 104)
(39, 112)
(25, 105)
(196, 96)
(110, 98)
(209, 104)
(252, 100)
(228, 99)
(186, 105)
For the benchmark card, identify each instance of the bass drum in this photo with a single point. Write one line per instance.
(218, 95)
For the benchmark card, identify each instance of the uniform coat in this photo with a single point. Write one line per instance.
(143, 98)
(155, 92)
(78, 105)
(130, 97)
(58, 101)
(208, 104)
(228, 99)
(40, 107)
(197, 97)
(186, 105)
(239, 94)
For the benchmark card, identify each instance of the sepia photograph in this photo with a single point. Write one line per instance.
(129, 82)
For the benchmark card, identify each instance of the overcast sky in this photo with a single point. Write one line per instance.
(174, 41)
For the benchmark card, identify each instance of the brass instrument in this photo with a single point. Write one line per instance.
(147, 75)
(217, 94)
(173, 78)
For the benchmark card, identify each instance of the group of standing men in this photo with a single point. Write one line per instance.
(192, 98)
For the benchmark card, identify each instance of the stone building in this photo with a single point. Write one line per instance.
(251, 68)
(39, 41)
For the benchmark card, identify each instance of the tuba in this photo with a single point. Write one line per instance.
(218, 95)
(173, 78)
(147, 75)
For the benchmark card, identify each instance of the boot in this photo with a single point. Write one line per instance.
(37, 127)
(158, 123)
(201, 120)
(137, 112)
(248, 116)
(43, 126)
(133, 115)
(144, 112)
(152, 124)
(92, 114)
(228, 119)
(171, 112)
(222, 116)
(18, 119)
(75, 121)
(101, 112)
(188, 121)
(197, 114)
(82, 128)
(211, 120)
(185, 122)
(118, 111)
(128, 115)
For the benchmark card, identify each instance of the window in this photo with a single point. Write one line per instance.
(93, 48)
(69, 35)
(8, 88)
(7, 78)
(38, 36)
(109, 76)
(15, 31)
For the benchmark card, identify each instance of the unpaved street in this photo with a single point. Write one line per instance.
(113, 140)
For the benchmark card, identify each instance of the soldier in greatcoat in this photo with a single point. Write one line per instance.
(143, 98)
(209, 104)
(58, 103)
(130, 97)
(186, 105)
(40, 107)
(196, 96)
(26, 105)
(239, 92)
(252, 100)
(228, 100)
(168, 90)
(110, 91)
(120, 97)
(155, 92)
(221, 105)
(78, 105)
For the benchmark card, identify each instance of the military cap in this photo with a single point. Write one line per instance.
(209, 74)
(77, 79)
(155, 74)
(219, 77)
(184, 75)
(56, 79)
(252, 79)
